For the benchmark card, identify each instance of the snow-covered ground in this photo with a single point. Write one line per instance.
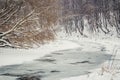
(109, 70)
(18, 56)
(105, 71)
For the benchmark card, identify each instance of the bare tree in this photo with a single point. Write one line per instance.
(24, 23)
(101, 15)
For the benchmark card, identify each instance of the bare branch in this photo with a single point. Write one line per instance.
(17, 24)
(9, 17)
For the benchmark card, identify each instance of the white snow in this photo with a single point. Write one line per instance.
(104, 72)
(18, 56)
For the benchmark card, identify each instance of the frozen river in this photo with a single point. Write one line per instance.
(57, 65)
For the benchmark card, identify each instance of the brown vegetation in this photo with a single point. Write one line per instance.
(27, 22)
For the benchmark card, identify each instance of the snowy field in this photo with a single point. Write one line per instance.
(94, 68)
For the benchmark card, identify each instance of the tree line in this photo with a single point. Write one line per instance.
(101, 15)
(25, 23)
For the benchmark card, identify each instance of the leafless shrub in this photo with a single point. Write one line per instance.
(27, 22)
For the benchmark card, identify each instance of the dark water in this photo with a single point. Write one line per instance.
(58, 65)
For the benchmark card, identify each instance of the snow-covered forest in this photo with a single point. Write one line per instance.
(24, 23)
(100, 15)
(59, 39)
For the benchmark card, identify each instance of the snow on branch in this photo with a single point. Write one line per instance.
(17, 24)
(22, 24)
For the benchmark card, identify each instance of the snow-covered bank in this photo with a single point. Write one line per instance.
(71, 46)
(63, 41)
(18, 56)
(109, 70)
